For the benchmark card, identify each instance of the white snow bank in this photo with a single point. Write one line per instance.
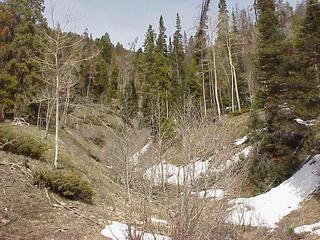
(176, 175)
(313, 229)
(307, 123)
(235, 159)
(241, 141)
(179, 175)
(119, 231)
(269, 208)
(158, 221)
(217, 194)
(135, 158)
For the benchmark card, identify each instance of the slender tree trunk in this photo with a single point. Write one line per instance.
(56, 150)
(203, 85)
(216, 82)
(250, 87)
(89, 83)
(48, 117)
(38, 116)
(1, 112)
(236, 88)
(66, 104)
(233, 75)
(167, 104)
(211, 90)
(232, 89)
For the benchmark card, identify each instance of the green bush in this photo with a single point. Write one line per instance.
(66, 184)
(22, 144)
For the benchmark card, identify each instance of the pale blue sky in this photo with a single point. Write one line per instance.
(125, 20)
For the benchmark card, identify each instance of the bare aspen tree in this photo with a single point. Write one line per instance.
(216, 81)
(234, 80)
(60, 54)
(214, 68)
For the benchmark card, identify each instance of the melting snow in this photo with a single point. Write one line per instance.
(158, 221)
(119, 231)
(176, 175)
(313, 229)
(269, 208)
(241, 141)
(235, 159)
(307, 123)
(179, 175)
(218, 194)
(135, 158)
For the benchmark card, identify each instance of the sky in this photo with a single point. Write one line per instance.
(126, 20)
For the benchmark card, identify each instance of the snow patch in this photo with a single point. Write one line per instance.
(217, 194)
(179, 175)
(313, 229)
(135, 158)
(241, 141)
(307, 123)
(269, 208)
(176, 175)
(119, 231)
(235, 159)
(158, 221)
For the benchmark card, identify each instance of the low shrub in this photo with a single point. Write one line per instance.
(66, 184)
(22, 143)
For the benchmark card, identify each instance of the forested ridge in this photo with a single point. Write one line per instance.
(262, 62)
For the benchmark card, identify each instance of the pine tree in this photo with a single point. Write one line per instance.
(223, 21)
(8, 85)
(8, 81)
(149, 74)
(29, 18)
(162, 38)
(200, 37)
(19, 23)
(308, 61)
(270, 52)
(178, 50)
(277, 158)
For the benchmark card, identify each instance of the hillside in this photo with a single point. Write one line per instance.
(90, 150)
(204, 127)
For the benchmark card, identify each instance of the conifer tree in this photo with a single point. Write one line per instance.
(19, 23)
(28, 18)
(269, 56)
(308, 61)
(8, 81)
(149, 74)
(276, 159)
(178, 48)
(162, 38)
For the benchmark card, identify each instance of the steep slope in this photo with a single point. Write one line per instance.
(269, 208)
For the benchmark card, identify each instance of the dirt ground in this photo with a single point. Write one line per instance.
(25, 212)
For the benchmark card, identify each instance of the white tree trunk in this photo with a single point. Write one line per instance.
(56, 143)
(233, 75)
(216, 82)
(203, 85)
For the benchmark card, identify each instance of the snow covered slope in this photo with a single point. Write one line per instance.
(269, 208)
(313, 229)
(179, 175)
(119, 231)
